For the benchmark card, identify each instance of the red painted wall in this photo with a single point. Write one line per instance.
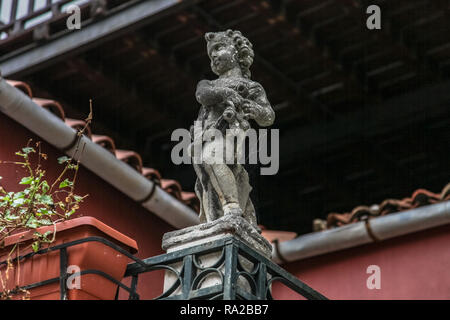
(104, 202)
(414, 266)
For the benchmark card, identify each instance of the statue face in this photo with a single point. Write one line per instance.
(223, 57)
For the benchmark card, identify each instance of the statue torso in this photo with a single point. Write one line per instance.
(247, 88)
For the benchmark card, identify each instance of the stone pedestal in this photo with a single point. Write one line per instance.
(203, 233)
(209, 267)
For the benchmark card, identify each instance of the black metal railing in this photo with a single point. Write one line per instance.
(25, 15)
(63, 259)
(190, 275)
(18, 18)
(228, 267)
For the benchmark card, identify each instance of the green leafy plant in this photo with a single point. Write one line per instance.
(39, 203)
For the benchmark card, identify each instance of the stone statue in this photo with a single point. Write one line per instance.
(227, 103)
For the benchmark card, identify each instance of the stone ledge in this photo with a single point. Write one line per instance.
(206, 232)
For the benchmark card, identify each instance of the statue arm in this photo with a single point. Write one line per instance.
(259, 108)
(209, 94)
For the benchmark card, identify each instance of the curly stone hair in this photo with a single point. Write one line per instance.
(243, 47)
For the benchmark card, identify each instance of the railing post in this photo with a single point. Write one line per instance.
(187, 276)
(262, 280)
(133, 294)
(229, 281)
(18, 24)
(55, 10)
(30, 7)
(13, 12)
(63, 273)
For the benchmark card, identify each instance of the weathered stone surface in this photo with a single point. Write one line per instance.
(227, 103)
(207, 261)
(227, 226)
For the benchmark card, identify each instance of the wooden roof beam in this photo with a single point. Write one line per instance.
(72, 43)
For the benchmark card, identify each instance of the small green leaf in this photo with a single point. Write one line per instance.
(35, 245)
(65, 183)
(23, 210)
(41, 211)
(45, 222)
(45, 187)
(46, 199)
(26, 180)
(11, 217)
(46, 234)
(18, 202)
(72, 166)
(71, 212)
(27, 150)
(19, 195)
(63, 159)
(32, 223)
(7, 198)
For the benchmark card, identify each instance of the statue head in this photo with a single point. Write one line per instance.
(229, 49)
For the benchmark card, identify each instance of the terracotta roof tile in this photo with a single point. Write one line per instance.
(130, 157)
(422, 197)
(22, 86)
(52, 106)
(105, 142)
(79, 125)
(419, 198)
(191, 200)
(152, 174)
(276, 235)
(393, 205)
(172, 187)
(445, 194)
(337, 220)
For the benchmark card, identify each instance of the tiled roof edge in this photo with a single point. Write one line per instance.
(419, 198)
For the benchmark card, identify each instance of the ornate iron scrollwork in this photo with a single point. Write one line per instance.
(192, 273)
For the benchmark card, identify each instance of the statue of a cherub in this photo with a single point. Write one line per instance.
(228, 103)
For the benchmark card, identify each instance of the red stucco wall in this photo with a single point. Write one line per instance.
(415, 266)
(104, 202)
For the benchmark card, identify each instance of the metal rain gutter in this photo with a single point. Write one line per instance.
(18, 106)
(356, 234)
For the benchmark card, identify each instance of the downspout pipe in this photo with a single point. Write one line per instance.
(18, 106)
(360, 233)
